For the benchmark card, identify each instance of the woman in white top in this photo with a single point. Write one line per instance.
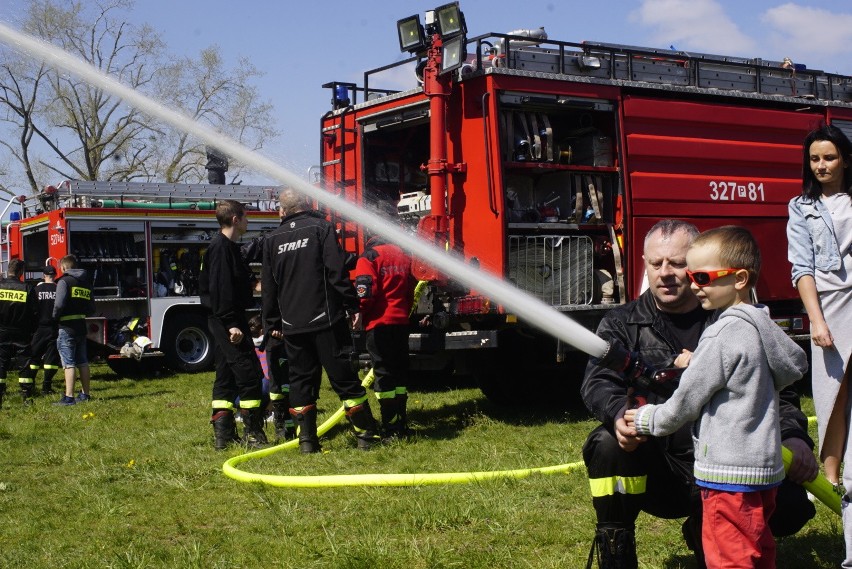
(819, 236)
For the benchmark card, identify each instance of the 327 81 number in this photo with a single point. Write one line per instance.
(733, 191)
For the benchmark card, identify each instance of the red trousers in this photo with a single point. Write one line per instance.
(736, 530)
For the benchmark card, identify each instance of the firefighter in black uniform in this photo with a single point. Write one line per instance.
(17, 314)
(307, 297)
(43, 352)
(225, 286)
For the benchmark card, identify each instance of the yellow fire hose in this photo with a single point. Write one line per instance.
(416, 479)
(821, 488)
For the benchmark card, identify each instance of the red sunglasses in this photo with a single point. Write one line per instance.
(704, 278)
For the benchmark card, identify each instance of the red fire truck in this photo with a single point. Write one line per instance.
(142, 243)
(545, 162)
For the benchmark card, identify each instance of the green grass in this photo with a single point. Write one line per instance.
(131, 480)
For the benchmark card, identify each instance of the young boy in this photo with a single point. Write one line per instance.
(731, 388)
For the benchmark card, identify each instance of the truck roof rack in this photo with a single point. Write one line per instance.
(642, 67)
(82, 193)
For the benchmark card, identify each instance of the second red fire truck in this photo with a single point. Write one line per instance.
(142, 243)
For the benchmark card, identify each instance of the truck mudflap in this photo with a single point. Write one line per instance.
(464, 340)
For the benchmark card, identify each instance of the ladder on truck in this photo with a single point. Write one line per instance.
(333, 167)
(94, 194)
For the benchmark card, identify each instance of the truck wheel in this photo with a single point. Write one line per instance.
(502, 372)
(496, 384)
(522, 372)
(188, 344)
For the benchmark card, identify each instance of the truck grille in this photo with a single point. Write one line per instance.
(556, 269)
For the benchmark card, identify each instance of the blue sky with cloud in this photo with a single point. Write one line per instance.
(301, 45)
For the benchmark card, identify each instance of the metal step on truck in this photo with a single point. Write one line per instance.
(545, 162)
(142, 243)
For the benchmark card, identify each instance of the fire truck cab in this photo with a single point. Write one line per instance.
(142, 243)
(545, 163)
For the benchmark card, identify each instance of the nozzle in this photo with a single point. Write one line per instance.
(638, 373)
(617, 358)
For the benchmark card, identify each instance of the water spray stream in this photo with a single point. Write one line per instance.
(530, 309)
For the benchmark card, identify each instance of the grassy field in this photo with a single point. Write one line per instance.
(131, 480)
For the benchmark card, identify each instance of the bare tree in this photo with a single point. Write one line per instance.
(5, 193)
(68, 128)
(223, 99)
(19, 84)
(97, 133)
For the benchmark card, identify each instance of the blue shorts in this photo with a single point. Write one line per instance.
(72, 349)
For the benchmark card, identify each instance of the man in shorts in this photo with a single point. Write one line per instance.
(74, 301)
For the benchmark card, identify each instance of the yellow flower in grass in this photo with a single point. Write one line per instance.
(89, 415)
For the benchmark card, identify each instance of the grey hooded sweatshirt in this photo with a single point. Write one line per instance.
(731, 387)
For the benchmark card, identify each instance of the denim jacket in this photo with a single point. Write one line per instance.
(811, 241)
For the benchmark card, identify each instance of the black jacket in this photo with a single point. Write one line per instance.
(305, 283)
(638, 327)
(225, 283)
(46, 295)
(18, 307)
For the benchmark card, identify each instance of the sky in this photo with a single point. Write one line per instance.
(302, 45)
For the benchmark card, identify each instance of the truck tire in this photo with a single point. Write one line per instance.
(522, 372)
(501, 372)
(187, 343)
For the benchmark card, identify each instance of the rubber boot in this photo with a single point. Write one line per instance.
(613, 548)
(305, 419)
(27, 393)
(224, 429)
(393, 426)
(253, 435)
(364, 425)
(282, 421)
(402, 410)
(2, 393)
(47, 384)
